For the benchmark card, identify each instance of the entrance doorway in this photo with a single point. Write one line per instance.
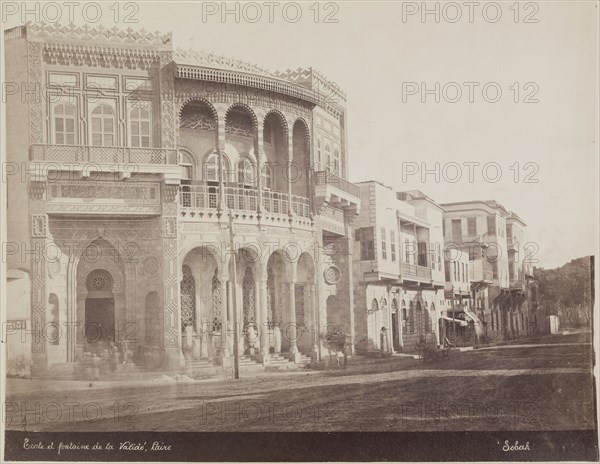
(99, 320)
(395, 333)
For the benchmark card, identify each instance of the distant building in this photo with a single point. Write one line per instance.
(503, 294)
(398, 268)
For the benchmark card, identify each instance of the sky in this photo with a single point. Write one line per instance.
(530, 147)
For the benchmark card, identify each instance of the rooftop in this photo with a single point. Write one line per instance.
(327, 91)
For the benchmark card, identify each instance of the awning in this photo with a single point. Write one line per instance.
(473, 316)
(457, 321)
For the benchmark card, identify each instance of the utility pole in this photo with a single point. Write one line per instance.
(236, 354)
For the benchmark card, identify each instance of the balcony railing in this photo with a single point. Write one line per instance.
(92, 154)
(517, 284)
(242, 199)
(465, 238)
(327, 178)
(413, 270)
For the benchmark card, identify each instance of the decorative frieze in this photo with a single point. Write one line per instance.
(38, 225)
(37, 189)
(215, 92)
(70, 54)
(133, 192)
(100, 33)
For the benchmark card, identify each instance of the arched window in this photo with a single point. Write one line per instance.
(404, 315)
(211, 168)
(188, 299)
(186, 161)
(267, 177)
(64, 124)
(103, 126)
(99, 280)
(374, 305)
(139, 120)
(245, 172)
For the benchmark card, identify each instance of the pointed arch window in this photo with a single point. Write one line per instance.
(65, 124)
(103, 126)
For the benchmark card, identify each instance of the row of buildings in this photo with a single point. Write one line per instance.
(173, 205)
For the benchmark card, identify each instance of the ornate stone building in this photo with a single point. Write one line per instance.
(159, 194)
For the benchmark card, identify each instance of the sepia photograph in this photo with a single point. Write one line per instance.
(323, 231)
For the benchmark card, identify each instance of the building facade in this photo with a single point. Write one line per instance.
(398, 269)
(172, 199)
(502, 298)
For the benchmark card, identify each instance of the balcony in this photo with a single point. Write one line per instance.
(481, 271)
(413, 271)
(516, 284)
(149, 160)
(201, 201)
(467, 239)
(332, 190)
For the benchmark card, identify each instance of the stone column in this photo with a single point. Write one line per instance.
(220, 144)
(349, 217)
(70, 332)
(314, 322)
(260, 159)
(264, 325)
(289, 172)
(293, 333)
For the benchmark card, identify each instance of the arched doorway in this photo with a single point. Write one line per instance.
(249, 310)
(395, 326)
(187, 292)
(419, 319)
(374, 323)
(99, 316)
(301, 158)
(277, 302)
(152, 321)
(304, 299)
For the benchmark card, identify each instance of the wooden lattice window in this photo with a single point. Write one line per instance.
(217, 296)
(188, 299)
(248, 298)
